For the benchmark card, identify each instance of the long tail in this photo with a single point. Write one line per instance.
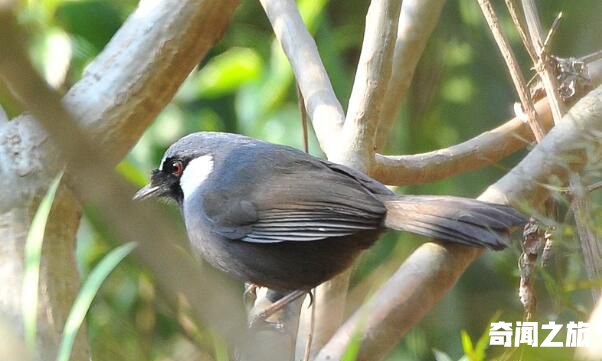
(454, 219)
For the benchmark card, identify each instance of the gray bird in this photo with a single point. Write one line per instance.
(280, 218)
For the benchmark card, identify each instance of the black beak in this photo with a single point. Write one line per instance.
(148, 191)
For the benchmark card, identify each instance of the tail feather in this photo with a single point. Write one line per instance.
(454, 219)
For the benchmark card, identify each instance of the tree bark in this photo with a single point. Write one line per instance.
(121, 92)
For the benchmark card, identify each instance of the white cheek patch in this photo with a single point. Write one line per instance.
(195, 173)
(162, 161)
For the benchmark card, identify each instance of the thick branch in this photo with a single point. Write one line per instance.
(118, 96)
(91, 176)
(120, 93)
(370, 85)
(356, 150)
(416, 23)
(428, 273)
(321, 103)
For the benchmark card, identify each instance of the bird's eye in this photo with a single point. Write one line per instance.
(177, 168)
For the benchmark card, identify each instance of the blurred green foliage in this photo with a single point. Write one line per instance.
(245, 85)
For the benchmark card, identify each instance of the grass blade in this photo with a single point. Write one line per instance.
(33, 255)
(86, 295)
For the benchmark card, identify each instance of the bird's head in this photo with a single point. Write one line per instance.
(185, 166)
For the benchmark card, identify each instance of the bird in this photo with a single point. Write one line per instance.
(274, 216)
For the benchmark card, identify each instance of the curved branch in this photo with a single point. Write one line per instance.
(484, 149)
(300, 48)
(480, 151)
(432, 269)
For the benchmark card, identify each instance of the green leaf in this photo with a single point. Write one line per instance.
(227, 72)
(86, 295)
(466, 343)
(94, 21)
(310, 12)
(33, 255)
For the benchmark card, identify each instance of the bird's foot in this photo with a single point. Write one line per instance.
(261, 318)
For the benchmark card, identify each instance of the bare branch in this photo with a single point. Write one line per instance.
(370, 85)
(484, 149)
(543, 67)
(591, 245)
(321, 103)
(432, 269)
(521, 30)
(515, 72)
(416, 23)
(356, 149)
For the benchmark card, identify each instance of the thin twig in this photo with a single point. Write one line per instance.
(590, 58)
(521, 30)
(594, 187)
(515, 73)
(542, 66)
(581, 203)
(551, 33)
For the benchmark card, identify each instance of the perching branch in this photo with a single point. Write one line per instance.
(321, 103)
(432, 269)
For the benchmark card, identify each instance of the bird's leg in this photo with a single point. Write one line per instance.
(275, 307)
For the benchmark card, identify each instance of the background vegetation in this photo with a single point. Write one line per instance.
(245, 85)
